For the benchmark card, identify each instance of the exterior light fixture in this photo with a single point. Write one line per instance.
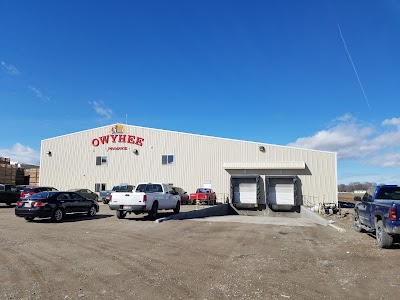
(135, 151)
(48, 153)
(261, 148)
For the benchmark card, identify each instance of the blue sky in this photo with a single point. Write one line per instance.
(314, 74)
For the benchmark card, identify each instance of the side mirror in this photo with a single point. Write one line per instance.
(357, 198)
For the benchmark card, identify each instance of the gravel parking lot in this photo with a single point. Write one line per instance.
(134, 258)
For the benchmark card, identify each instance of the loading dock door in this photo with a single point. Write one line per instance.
(245, 193)
(281, 193)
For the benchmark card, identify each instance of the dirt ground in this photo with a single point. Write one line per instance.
(108, 258)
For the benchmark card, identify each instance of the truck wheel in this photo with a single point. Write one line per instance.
(177, 207)
(57, 215)
(383, 239)
(153, 212)
(356, 223)
(121, 214)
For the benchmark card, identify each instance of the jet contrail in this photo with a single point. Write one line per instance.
(354, 68)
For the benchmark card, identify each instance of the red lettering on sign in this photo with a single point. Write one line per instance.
(117, 138)
(139, 141)
(122, 138)
(114, 137)
(104, 139)
(117, 148)
(95, 142)
(131, 139)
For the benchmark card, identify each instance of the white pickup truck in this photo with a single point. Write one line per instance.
(148, 197)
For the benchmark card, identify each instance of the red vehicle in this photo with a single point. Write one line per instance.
(30, 190)
(203, 195)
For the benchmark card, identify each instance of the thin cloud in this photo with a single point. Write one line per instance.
(9, 69)
(387, 159)
(101, 110)
(22, 154)
(345, 118)
(352, 140)
(391, 122)
(38, 93)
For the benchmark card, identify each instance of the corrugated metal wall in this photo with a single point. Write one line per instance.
(197, 159)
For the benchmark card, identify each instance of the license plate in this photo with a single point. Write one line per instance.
(27, 204)
(127, 207)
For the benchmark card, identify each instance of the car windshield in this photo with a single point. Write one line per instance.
(203, 191)
(43, 195)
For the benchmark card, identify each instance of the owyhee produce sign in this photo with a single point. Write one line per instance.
(117, 136)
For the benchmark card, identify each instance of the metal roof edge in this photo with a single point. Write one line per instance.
(193, 134)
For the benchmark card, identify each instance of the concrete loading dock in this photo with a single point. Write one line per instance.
(229, 213)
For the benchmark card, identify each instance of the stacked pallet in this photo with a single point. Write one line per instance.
(8, 172)
(33, 174)
(20, 176)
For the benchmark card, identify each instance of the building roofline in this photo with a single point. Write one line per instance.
(185, 133)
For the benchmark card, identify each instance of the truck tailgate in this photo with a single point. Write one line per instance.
(199, 196)
(122, 198)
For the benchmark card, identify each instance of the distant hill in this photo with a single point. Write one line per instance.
(25, 166)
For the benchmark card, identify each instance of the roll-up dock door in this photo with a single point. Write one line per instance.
(245, 191)
(281, 192)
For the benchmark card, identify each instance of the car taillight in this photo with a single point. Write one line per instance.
(393, 213)
(110, 198)
(39, 203)
(144, 198)
(19, 203)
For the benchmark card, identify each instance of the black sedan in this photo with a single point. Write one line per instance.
(54, 205)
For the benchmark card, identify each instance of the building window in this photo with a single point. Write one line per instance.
(99, 187)
(101, 160)
(167, 159)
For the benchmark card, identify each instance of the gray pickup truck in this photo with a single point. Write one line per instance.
(105, 195)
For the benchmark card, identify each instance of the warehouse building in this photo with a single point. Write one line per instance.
(247, 174)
